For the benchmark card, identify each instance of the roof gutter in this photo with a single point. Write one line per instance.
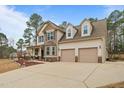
(80, 40)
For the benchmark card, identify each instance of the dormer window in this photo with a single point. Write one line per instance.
(85, 29)
(69, 33)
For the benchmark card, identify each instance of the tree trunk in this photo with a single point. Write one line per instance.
(36, 40)
(114, 46)
(21, 51)
(29, 43)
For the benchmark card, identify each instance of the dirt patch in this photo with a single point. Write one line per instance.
(115, 85)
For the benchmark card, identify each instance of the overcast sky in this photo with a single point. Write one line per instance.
(13, 18)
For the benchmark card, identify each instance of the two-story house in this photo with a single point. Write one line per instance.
(48, 37)
(83, 43)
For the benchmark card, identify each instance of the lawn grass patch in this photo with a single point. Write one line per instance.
(8, 65)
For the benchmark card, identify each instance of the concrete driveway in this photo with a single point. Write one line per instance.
(64, 74)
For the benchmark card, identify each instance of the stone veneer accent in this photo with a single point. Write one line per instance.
(76, 58)
(59, 58)
(99, 59)
(51, 59)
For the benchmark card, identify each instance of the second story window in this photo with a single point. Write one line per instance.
(85, 29)
(41, 39)
(50, 35)
(69, 33)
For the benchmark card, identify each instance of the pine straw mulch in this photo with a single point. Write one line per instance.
(114, 85)
(26, 63)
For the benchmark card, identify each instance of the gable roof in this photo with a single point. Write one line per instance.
(99, 30)
(85, 20)
(69, 24)
(47, 23)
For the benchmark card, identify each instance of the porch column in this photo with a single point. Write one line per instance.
(39, 53)
(76, 54)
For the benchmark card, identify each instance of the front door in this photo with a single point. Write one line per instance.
(42, 54)
(36, 53)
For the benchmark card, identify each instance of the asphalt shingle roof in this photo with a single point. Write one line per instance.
(99, 30)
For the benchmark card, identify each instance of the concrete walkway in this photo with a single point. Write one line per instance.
(62, 75)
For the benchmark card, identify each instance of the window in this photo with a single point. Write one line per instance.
(50, 35)
(41, 39)
(53, 51)
(85, 29)
(48, 50)
(69, 33)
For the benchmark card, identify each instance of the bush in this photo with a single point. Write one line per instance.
(27, 57)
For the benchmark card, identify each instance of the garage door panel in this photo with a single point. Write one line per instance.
(88, 55)
(68, 55)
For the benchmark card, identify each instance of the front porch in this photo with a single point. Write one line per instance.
(37, 52)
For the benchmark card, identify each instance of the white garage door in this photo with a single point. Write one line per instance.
(68, 55)
(88, 55)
